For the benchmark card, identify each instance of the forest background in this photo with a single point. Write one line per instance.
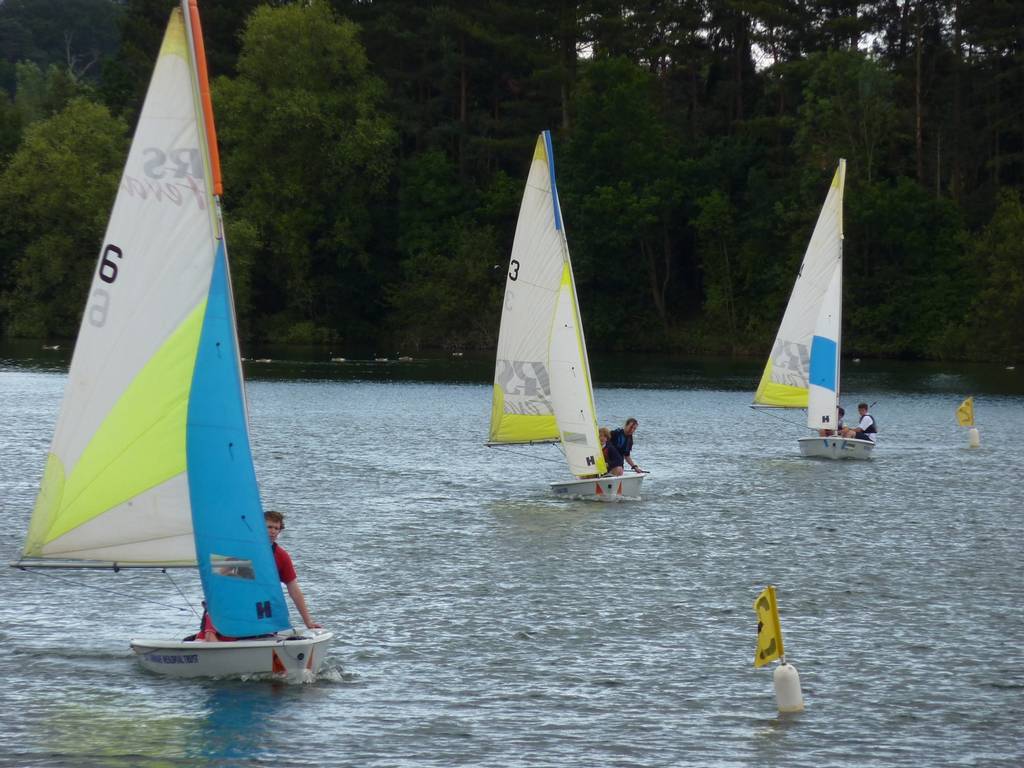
(375, 152)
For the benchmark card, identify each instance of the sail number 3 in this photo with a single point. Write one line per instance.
(99, 299)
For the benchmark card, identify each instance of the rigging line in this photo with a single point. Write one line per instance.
(183, 597)
(765, 412)
(79, 585)
(529, 455)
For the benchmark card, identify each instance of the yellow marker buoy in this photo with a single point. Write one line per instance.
(965, 418)
(787, 688)
(769, 647)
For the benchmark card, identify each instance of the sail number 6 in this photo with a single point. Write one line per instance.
(100, 298)
(108, 267)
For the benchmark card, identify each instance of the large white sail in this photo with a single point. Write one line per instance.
(542, 388)
(785, 382)
(823, 372)
(570, 386)
(115, 486)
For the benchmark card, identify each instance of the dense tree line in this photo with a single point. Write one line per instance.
(374, 156)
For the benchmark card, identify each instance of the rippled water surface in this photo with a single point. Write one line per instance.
(482, 622)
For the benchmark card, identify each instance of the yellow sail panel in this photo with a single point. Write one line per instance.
(51, 491)
(540, 153)
(965, 413)
(776, 395)
(769, 630)
(174, 42)
(519, 427)
(139, 445)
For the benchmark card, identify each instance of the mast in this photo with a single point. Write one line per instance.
(839, 336)
(236, 563)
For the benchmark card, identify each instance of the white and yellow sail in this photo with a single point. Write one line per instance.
(542, 387)
(115, 487)
(803, 368)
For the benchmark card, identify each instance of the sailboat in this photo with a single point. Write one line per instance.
(542, 387)
(150, 464)
(803, 367)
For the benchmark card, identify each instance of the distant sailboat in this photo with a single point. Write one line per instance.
(150, 464)
(803, 368)
(542, 388)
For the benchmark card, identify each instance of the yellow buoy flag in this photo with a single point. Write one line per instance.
(965, 413)
(769, 633)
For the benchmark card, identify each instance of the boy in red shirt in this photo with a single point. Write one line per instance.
(286, 572)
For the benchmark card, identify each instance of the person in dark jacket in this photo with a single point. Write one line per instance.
(622, 439)
(612, 457)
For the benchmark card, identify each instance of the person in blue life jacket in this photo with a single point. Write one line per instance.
(622, 439)
(612, 457)
(866, 428)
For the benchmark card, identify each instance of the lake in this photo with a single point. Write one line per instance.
(482, 622)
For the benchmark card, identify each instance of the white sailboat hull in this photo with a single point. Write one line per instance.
(291, 655)
(835, 448)
(612, 488)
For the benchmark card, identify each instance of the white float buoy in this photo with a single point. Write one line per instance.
(973, 438)
(787, 688)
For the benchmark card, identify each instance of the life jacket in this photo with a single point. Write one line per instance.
(622, 442)
(873, 426)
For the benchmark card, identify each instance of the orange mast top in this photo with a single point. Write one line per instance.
(204, 94)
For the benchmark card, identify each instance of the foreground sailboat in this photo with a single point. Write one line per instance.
(542, 389)
(803, 368)
(150, 464)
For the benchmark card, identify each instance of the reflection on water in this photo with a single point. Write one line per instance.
(481, 621)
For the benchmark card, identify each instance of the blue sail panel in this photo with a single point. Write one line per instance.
(823, 363)
(236, 564)
(551, 173)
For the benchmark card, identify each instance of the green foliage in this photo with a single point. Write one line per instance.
(903, 263)
(306, 150)
(57, 193)
(372, 187)
(848, 111)
(452, 268)
(450, 297)
(621, 188)
(994, 328)
(10, 128)
(73, 36)
(716, 225)
(41, 94)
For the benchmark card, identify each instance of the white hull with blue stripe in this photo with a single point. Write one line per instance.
(610, 488)
(295, 656)
(835, 448)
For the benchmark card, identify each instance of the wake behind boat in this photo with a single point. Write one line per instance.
(150, 464)
(803, 368)
(542, 387)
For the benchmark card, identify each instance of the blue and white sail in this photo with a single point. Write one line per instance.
(803, 368)
(823, 378)
(150, 462)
